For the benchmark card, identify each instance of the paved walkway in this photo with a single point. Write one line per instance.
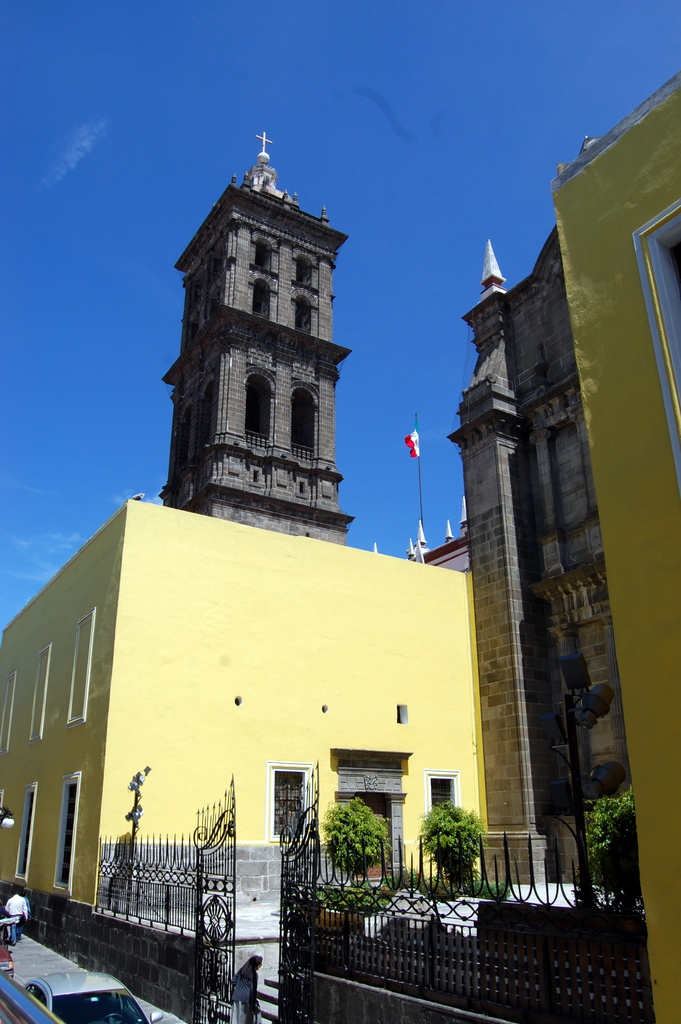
(32, 959)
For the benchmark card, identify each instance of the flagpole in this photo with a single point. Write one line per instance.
(416, 421)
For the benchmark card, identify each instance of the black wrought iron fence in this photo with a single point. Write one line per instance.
(504, 929)
(152, 881)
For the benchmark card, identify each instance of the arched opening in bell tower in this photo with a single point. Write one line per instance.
(303, 315)
(302, 419)
(261, 298)
(258, 407)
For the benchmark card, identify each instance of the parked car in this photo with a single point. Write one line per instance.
(18, 1007)
(86, 997)
(6, 961)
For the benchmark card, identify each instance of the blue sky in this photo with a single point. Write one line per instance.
(424, 128)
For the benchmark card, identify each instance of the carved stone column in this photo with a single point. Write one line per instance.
(222, 426)
(326, 425)
(616, 709)
(282, 406)
(550, 543)
(236, 399)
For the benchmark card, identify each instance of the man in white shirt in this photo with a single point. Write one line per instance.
(17, 906)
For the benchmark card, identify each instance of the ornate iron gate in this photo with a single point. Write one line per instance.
(215, 842)
(300, 865)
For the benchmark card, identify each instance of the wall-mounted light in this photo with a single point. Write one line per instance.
(6, 818)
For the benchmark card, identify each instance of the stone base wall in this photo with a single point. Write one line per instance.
(258, 871)
(338, 1001)
(157, 966)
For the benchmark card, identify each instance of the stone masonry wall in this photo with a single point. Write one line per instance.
(258, 871)
(157, 966)
(339, 1001)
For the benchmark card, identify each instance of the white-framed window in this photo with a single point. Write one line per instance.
(66, 845)
(40, 693)
(80, 677)
(439, 787)
(658, 252)
(287, 784)
(7, 708)
(26, 837)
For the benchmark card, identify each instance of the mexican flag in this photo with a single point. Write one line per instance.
(412, 441)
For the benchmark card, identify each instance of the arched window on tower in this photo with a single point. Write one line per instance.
(303, 271)
(262, 255)
(183, 433)
(303, 317)
(302, 419)
(204, 426)
(258, 407)
(261, 298)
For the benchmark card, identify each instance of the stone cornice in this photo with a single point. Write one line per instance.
(570, 582)
(242, 328)
(277, 213)
(286, 508)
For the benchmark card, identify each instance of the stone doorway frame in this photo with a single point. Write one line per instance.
(374, 771)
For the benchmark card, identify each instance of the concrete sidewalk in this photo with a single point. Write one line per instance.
(31, 959)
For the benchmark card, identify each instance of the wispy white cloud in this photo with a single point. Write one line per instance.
(10, 482)
(79, 143)
(43, 554)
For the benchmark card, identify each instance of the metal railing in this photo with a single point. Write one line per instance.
(482, 932)
(151, 882)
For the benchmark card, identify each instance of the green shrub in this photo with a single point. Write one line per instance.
(612, 846)
(452, 837)
(354, 836)
(355, 897)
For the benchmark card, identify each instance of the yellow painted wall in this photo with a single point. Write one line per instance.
(210, 610)
(193, 612)
(89, 580)
(598, 209)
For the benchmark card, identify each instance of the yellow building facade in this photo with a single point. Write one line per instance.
(619, 218)
(204, 648)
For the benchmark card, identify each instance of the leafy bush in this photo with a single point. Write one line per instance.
(355, 836)
(355, 897)
(452, 835)
(612, 846)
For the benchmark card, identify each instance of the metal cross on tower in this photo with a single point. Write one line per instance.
(263, 138)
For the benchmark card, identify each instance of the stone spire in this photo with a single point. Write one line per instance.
(448, 532)
(492, 278)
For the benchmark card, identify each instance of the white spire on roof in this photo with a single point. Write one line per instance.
(464, 514)
(448, 532)
(492, 278)
(410, 550)
(375, 548)
(421, 535)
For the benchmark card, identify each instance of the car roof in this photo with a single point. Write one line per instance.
(71, 982)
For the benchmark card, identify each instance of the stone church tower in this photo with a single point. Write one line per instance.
(536, 554)
(253, 435)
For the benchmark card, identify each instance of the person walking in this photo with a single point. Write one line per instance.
(18, 906)
(245, 1006)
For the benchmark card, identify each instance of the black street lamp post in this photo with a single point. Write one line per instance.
(584, 709)
(137, 810)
